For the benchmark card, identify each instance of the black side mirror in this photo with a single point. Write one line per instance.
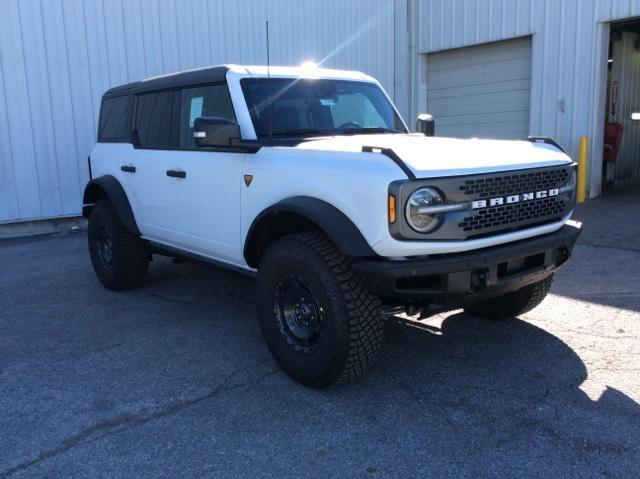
(214, 131)
(426, 125)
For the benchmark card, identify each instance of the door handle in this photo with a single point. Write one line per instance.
(128, 168)
(177, 173)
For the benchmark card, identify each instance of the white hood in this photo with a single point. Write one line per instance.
(434, 156)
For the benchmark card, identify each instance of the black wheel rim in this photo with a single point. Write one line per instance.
(104, 245)
(298, 313)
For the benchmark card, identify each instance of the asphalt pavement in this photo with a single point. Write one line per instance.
(173, 379)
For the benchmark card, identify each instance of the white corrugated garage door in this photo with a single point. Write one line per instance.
(481, 91)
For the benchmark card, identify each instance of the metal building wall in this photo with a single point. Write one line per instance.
(570, 41)
(57, 57)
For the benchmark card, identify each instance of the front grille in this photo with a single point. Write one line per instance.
(515, 183)
(494, 203)
(513, 215)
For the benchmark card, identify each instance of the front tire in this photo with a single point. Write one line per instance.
(119, 259)
(320, 323)
(512, 304)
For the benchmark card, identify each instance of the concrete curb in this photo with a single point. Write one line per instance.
(32, 228)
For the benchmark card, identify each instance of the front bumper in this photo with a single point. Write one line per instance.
(450, 278)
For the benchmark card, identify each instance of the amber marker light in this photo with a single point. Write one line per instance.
(392, 209)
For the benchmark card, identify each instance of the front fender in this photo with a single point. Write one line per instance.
(333, 222)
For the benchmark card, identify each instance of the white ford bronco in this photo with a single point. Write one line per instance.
(310, 179)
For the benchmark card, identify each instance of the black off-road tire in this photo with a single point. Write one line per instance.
(350, 323)
(512, 304)
(129, 259)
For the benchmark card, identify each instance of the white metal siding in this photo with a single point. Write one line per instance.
(57, 57)
(569, 53)
(481, 91)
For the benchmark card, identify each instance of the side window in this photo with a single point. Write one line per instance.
(153, 120)
(211, 100)
(115, 119)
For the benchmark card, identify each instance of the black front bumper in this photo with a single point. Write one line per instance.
(454, 277)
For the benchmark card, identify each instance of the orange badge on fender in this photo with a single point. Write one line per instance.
(248, 179)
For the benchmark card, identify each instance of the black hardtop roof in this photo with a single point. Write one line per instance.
(172, 80)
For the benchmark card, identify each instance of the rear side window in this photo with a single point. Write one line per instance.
(153, 120)
(211, 100)
(115, 119)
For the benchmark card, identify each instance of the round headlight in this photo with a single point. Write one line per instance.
(417, 210)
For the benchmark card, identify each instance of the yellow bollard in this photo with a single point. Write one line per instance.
(583, 156)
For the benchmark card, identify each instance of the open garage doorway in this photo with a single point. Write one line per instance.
(621, 156)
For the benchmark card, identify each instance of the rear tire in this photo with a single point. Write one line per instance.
(119, 259)
(320, 323)
(512, 304)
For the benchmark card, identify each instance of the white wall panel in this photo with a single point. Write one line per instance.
(569, 54)
(57, 57)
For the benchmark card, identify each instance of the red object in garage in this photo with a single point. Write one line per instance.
(612, 139)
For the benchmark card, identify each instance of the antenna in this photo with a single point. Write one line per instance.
(270, 100)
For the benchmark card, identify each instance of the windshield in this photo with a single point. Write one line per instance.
(312, 107)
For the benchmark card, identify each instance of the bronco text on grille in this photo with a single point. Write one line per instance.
(513, 201)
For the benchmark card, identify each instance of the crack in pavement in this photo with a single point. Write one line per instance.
(124, 422)
(594, 334)
(170, 300)
(606, 294)
(608, 246)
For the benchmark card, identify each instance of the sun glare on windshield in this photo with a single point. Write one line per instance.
(297, 107)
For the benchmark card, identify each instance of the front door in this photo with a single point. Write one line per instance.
(187, 198)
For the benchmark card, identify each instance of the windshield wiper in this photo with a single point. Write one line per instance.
(375, 129)
(315, 132)
(298, 132)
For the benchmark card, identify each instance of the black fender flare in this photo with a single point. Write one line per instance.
(333, 222)
(110, 187)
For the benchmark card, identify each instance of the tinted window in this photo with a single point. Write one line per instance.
(153, 120)
(115, 119)
(211, 100)
(300, 107)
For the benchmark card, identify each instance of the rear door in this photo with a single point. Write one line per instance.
(187, 198)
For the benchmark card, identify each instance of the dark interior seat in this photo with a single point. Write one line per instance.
(286, 118)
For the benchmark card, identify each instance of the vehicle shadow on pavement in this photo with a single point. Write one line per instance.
(513, 389)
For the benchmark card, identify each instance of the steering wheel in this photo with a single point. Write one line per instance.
(349, 124)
